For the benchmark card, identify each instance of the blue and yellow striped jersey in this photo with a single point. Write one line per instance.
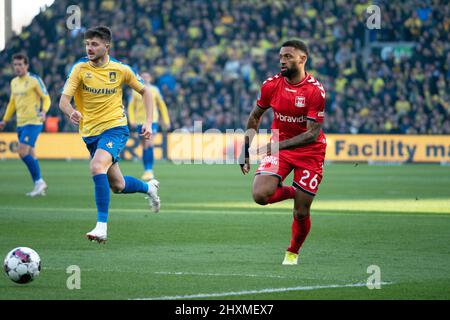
(29, 96)
(97, 93)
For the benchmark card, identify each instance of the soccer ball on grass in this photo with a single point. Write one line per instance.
(22, 265)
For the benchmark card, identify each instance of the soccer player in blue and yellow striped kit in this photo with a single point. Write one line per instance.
(30, 101)
(95, 82)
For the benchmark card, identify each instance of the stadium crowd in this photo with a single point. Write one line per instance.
(209, 58)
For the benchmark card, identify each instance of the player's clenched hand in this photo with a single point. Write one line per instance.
(2, 125)
(146, 131)
(244, 161)
(244, 157)
(43, 116)
(75, 117)
(245, 167)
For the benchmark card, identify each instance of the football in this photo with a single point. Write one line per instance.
(22, 265)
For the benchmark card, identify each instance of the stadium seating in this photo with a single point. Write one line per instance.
(210, 57)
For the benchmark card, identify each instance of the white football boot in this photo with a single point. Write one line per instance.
(153, 198)
(40, 189)
(99, 233)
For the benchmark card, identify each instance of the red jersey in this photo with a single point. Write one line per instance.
(293, 105)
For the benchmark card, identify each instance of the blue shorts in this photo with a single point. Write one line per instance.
(155, 128)
(29, 133)
(112, 140)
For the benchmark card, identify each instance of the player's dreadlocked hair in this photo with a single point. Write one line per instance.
(297, 44)
(101, 32)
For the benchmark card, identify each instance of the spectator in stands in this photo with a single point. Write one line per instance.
(209, 57)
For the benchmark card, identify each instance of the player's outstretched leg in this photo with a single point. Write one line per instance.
(26, 153)
(127, 184)
(301, 224)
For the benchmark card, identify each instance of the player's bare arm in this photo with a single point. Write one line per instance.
(148, 104)
(303, 139)
(42, 113)
(66, 107)
(252, 126)
(308, 137)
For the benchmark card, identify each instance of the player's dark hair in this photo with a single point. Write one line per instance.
(297, 44)
(20, 56)
(101, 32)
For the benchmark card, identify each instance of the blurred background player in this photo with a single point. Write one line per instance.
(136, 117)
(96, 82)
(30, 101)
(297, 143)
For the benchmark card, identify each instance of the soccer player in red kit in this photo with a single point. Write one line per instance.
(298, 143)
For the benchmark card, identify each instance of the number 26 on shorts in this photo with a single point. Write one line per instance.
(307, 181)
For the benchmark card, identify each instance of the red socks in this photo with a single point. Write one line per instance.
(300, 229)
(282, 193)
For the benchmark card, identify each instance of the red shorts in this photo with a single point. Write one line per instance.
(307, 164)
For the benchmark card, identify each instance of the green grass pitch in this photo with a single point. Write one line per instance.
(210, 241)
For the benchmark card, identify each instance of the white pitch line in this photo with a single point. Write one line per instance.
(244, 212)
(220, 275)
(166, 273)
(268, 290)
